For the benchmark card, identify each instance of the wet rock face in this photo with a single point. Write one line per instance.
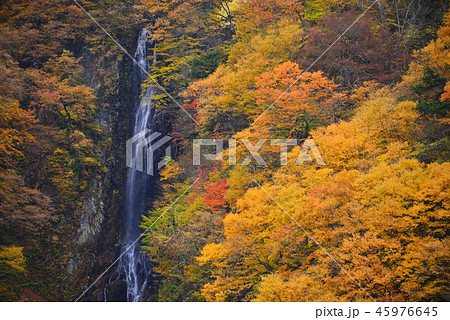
(92, 216)
(94, 230)
(98, 223)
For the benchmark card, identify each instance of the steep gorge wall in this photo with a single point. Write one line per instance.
(99, 231)
(92, 233)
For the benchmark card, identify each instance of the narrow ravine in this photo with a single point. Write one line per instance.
(134, 266)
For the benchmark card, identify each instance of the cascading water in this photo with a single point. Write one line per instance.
(134, 266)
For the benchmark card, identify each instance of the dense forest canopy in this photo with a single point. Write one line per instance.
(375, 102)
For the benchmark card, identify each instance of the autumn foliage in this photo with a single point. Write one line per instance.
(214, 196)
(370, 224)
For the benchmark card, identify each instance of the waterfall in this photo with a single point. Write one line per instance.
(134, 266)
